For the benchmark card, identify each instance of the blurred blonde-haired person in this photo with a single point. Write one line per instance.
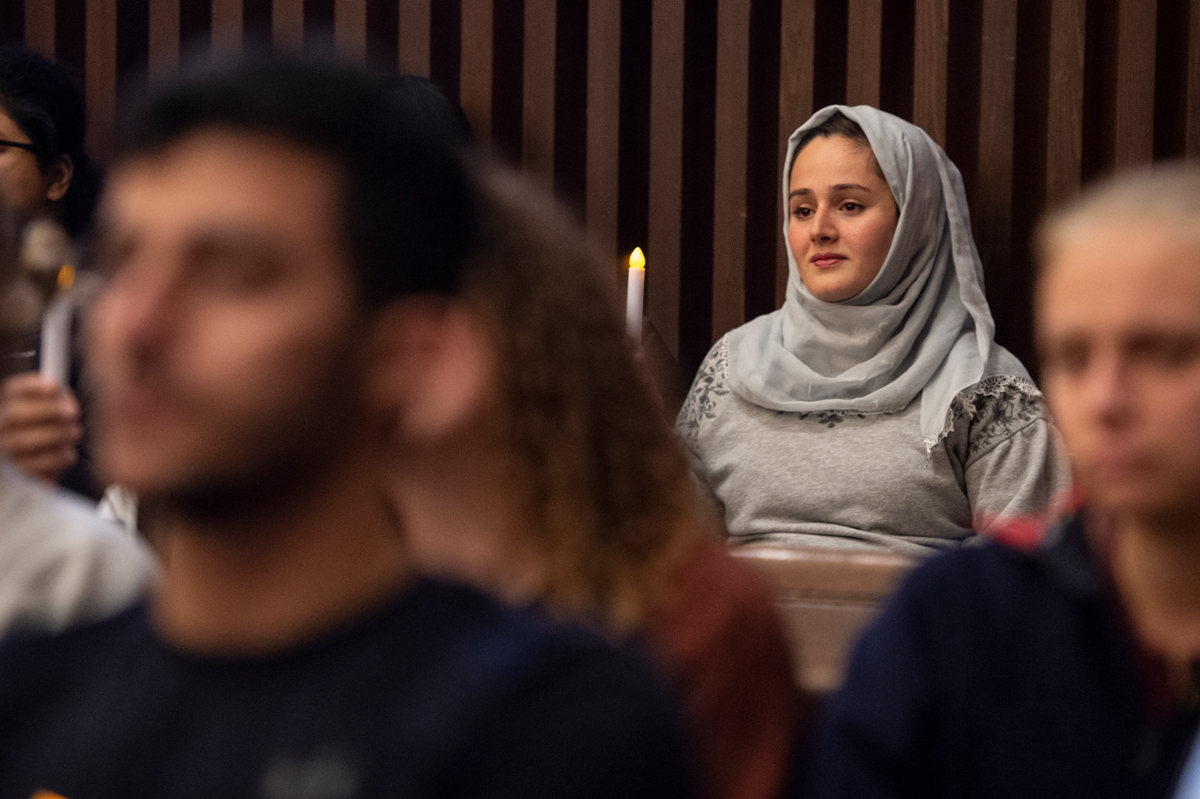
(1069, 669)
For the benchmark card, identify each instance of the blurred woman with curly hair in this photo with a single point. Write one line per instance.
(545, 473)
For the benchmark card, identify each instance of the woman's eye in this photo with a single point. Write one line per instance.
(801, 212)
(851, 206)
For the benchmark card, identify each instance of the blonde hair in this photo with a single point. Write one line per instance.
(1164, 195)
(605, 490)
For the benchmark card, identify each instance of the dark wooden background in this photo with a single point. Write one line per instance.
(663, 121)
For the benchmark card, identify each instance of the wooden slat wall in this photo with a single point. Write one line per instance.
(998, 53)
(797, 49)
(1032, 98)
(666, 171)
(1064, 134)
(602, 178)
(729, 222)
(931, 39)
(864, 49)
(1192, 81)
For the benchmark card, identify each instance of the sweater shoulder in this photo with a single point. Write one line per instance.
(709, 386)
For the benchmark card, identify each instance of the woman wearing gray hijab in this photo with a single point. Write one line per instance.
(874, 409)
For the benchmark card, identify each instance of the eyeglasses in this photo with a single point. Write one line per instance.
(21, 145)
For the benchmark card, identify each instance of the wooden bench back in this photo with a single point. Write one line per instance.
(825, 597)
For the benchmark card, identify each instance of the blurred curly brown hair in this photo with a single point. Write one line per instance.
(606, 489)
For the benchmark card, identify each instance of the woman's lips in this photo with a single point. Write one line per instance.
(824, 260)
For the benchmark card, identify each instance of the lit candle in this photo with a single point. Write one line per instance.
(633, 296)
(46, 256)
(56, 329)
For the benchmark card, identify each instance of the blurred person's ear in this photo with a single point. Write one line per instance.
(432, 368)
(59, 178)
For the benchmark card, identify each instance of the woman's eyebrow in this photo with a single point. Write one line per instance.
(835, 187)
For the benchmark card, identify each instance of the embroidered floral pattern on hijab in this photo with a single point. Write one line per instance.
(921, 327)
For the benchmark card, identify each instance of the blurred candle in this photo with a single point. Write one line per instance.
(56, 329)
(633, 296)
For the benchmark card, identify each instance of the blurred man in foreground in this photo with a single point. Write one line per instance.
(284, 247)
(1071, 669)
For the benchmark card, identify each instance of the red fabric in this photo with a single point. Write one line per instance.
(1026, 533)
(720, 639)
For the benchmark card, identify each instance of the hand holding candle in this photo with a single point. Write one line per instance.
(634, 293)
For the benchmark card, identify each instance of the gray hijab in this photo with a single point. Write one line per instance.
(921, 328)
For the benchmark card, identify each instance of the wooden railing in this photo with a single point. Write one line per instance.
(826, 598)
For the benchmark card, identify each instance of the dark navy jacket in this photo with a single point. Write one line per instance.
(1000, 673)
(442, 693)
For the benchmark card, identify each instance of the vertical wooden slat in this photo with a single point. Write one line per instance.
(163, 47)
(226, 26)
(1134, 102)
(666, 171)
(603, 122)
(864, 46)
(101, 80)
(39, 26)
(931, 37)
(350, 29)
(475, 76)
(1193, 80)
(414, 37)
(991, 205)
(729, 173)
(796, 73)
(287, 24)
(70, 38)
(1064, 101)
(537, 127)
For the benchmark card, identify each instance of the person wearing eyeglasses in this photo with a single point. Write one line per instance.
(45, 173)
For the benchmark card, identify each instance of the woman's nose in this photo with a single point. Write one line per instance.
(823, 227)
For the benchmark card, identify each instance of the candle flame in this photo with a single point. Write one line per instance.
(637, 260)
(66, 276)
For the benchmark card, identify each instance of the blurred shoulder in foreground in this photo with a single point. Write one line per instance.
(60, 563)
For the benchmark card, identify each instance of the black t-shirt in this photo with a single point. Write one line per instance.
(442, 693)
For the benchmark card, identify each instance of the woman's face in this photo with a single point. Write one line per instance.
(842, 217)
(23, 185)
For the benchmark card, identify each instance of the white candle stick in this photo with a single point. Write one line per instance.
(634, 293)
(56, 330)
(56, 339)
(46, 258)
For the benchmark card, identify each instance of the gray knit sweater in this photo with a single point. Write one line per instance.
(852, 480)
